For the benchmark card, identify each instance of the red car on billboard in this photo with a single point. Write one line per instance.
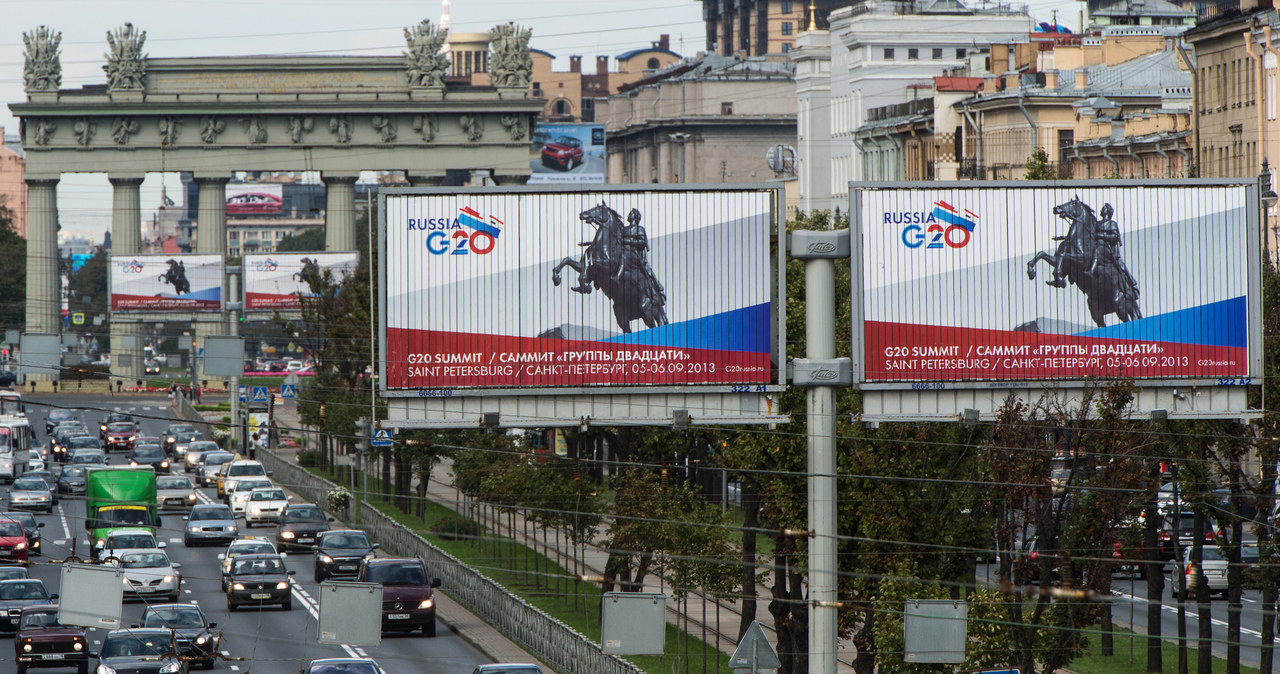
(563, 153)
(254, 203)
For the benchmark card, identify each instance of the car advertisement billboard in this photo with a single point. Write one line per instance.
(255, 198)
(983, 282)
(166, 282)
(616, 288)
(567, 154)
(280, 280)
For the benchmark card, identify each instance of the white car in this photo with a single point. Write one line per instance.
(1213, 568)
(265, 506)
(35, 461)
(123, 541)
(239, 495)
(149, 573)
(175, 492)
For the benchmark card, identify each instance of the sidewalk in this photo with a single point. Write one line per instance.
(722, 613)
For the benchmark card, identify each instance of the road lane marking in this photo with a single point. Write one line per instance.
(66, 530)
(233, 668)
(313, 608)
(1190, 614)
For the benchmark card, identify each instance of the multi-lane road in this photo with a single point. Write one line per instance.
(268, 641)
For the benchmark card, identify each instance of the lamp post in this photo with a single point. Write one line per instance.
(1266, 195)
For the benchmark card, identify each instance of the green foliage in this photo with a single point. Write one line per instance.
(88, 287)
(13, 274)
(891, 598)
(1039, 167)
(309, 241)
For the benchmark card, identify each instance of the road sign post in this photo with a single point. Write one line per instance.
(754, 652)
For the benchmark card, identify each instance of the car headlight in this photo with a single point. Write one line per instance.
(26, 648)
(21, 546)
(326, 559)
(132, 462)
(286, 534)
(282, 585)
(426, 603)
(78, 646)
(167, 579)
(170, 668)
(104, 669)
(237, 586)
(200, 640)
(170, 439)
(132, 438)
(164, 464)
(101, 543)
(44, 498)
(191, 497)
(257, 510)
(193, 529)
(231, 528)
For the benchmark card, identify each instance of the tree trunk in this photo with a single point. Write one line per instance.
(1204, 633)
(1234, 588)
(751, 504)
(780, 609)
(1155, 578)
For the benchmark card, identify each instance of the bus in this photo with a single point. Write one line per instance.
(16, 437)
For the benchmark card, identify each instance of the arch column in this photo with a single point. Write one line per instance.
(44, 305)
(211, 239)
(339, 213)
(126, 239)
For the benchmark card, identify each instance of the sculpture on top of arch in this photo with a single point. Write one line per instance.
(425, 64)
(126, 64)
(42, 67)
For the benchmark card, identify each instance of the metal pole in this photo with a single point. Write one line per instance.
(373, 360)
(820, 330)
(233, 280)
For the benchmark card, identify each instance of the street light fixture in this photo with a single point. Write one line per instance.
(1267, 195)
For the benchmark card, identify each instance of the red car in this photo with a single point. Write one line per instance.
(121, 436)
(42, 641)
(13, 541)
(254, 203)
(563, 153)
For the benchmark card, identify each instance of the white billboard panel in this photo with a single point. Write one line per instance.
(1023, 282)
(166, 282)
(567, 154)
(535, 290)
(279, 280)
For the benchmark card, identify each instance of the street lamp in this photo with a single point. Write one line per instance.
(1267, 195)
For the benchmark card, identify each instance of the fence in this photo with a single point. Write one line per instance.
(548, 639)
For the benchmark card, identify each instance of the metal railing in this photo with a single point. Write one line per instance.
(546, 638)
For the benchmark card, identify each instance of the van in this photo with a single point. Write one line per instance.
(293, 366)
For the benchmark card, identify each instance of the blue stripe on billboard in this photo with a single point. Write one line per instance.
(745, 329)
(1224, 323)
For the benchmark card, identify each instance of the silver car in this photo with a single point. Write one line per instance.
(209, 524)
(175, 492)
(31, 493)
(196, 451)
(149, 573)
(1213, 568)
(210, 464)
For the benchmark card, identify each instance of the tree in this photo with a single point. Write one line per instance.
(13, 273)
(1039, 167)
(309, 241)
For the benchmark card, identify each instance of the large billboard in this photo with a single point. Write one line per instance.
(166, 282)
(619, 288)
(280, 280)
(982, 282)
(255, 198)
(567, 154)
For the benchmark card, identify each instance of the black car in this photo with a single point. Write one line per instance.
(408, 593)
(29, 526)
(64, 449)
(114, 419)
(55, 417)
(182, 443)
(194, 633)
(170, 435)
(42, 641)
(258, 580)
(300, 525)
(71, 481)
(15, 594)
(150, 455)
(339, 553)
(147, 650)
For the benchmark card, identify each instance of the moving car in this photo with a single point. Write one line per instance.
(74, 444)
(120, 436)
(339, 553)
(31, 493)
(258, 580)
(238, 496)
(12, 572)
(210, 464)
(175, 492)
(209, 524)
(149, 573)
(55, 417)
(149, 455)
(119, 498)
(408, 600)
(151, 367)
(299, 526)
(1213, 569)
(242, 546)
(18, 594)
(170, 435)
(343, 666)
(30, 527)
(196, 640)
(233, 471)
(13, 541)
(140, 651)
(42, 641)
(120, 541)
(264, 506)
(195, 451)
(563, 153)
(34, 460)
(183, 442)
(115, 418)
(71, 480)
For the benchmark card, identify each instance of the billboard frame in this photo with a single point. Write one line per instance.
(148, 313)
(946, 399)
(554, 407)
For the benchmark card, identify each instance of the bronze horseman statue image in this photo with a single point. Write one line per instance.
(1088, 256)
(616, 262)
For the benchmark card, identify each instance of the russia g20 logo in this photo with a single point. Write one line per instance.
(131, 267)
(943, 227)
(267, 265)
(467, 234)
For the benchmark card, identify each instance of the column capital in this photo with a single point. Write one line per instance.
(124, 181)
(211, 180)
(425, 179)
(339, 180)
(41, 182)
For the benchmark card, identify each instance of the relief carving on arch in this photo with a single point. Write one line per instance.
(255, 129)
(41, 129)
(122, 128)
(84, 130)
(169, 128)
(472, 126)
(42, 67)
(426, 125)
(126, 64)
(385, 125)
(340, 127)
(515, 125)
(210, 127)
(299, 126)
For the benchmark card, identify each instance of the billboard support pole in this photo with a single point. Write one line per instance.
(822, 372)
(233, 318)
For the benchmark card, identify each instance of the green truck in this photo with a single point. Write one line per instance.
(119, 497)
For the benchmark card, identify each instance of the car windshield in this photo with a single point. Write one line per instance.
(216, 513)
(342, 668)
(10, 529)
(345, 541)
(73, 471)
(144, 560)
(11, 572)
(129, 541)
(216, 459)
(174, 482)
(88, 458)
(27, 520)
(258, 567)
(124, 427)
(244, 487)
(59, 415)
(23, 590)
(247, 469)
(311, 514)
(203, 446)
(187, 436)
(178, 617)
(30, 484)
(38, 619)
(108, 517)
(396, 574)
(83, 443)
(181, 428)
(267, 495)
(130, 646)
(253, 548)
(148, 452)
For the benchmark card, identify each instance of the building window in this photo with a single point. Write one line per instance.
(653, 64)
(888, 53)
(786, 7)
(913, 54)
(726, 107)
(786, 47)
(235, 236)
(937, 53)
(562, 107)
(788, 28)
(961, 53)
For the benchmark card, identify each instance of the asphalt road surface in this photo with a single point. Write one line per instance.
(271, 640)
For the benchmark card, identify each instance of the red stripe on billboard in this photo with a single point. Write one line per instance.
(254, 300)
(134, 302)
(906, 352)
(429, 359)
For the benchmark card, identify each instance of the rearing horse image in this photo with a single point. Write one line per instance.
(176, 276)
(1088, 256)
(635, 293)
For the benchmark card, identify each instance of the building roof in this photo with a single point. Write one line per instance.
(1144, 8)
(717, 67)
(946, 83)
(628, 54)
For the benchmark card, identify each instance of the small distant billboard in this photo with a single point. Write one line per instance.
(281, 280)
(567, 154)
(254, 199)
(166, 282)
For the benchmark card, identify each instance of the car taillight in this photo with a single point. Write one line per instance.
(1164, 536)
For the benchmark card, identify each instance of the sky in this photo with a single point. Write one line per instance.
(178, 28)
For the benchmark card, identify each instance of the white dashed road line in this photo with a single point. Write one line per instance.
(66, 530)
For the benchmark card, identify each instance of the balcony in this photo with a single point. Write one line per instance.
(970, 169)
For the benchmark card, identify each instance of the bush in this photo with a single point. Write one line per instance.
(308, 459)
(453, 528)
(339, 499)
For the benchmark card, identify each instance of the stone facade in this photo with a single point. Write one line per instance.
(13, 188)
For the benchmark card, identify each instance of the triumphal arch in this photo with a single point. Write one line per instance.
(336, 115)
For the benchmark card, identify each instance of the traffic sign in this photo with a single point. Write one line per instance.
(77, 319)
(242, 393)
(259, 394)
(288, 391)
(754, 652)
(382, 438)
